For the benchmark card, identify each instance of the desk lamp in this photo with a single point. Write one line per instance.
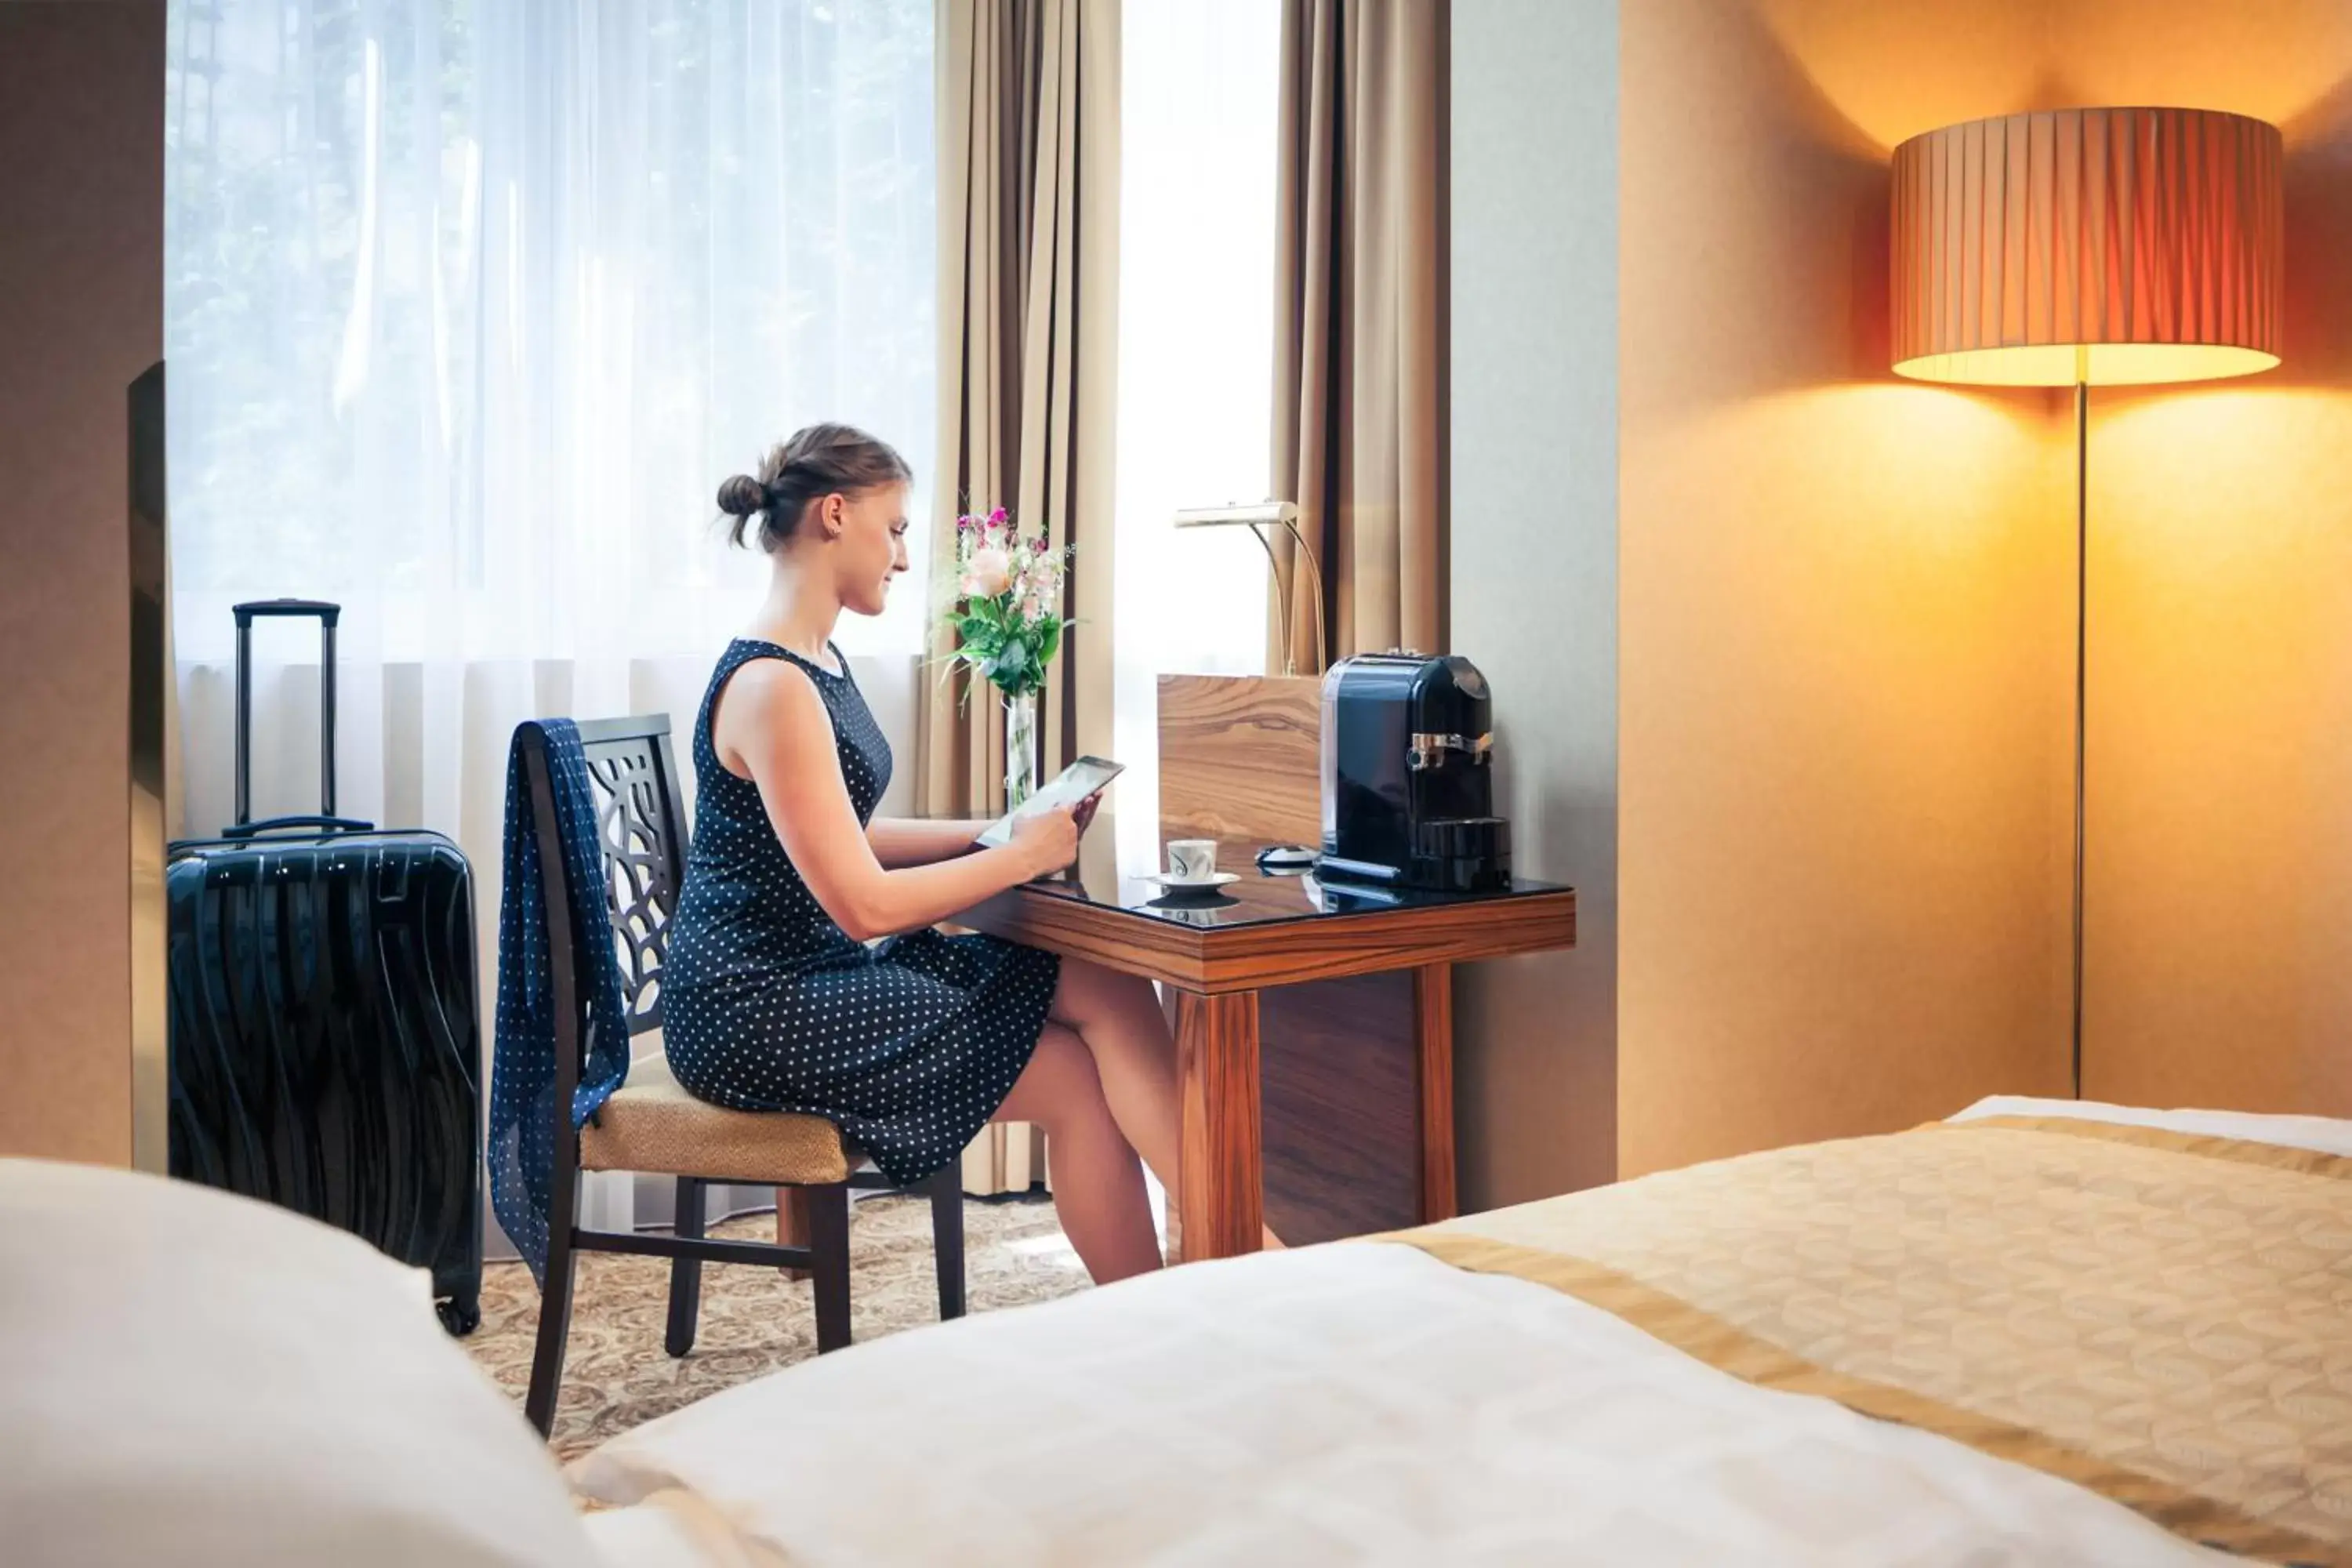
(1257, 517)
(2087, 248)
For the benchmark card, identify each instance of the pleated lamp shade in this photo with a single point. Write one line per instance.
(2102, 246)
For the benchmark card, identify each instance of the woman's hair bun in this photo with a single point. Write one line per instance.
(822, 460)
(741, 496)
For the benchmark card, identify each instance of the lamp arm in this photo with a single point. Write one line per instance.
(1281, 599)
(1315, 576)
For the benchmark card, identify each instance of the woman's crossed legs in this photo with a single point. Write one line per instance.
(1102, 1083)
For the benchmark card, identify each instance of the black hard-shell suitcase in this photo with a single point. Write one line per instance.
(325, 1022)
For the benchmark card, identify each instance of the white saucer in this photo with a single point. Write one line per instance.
(1191, 884)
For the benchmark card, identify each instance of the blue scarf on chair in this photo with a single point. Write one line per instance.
(522, 1072)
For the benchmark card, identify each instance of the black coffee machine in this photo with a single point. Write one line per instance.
(1408, 786)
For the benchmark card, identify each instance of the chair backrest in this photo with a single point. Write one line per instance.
(641, 823)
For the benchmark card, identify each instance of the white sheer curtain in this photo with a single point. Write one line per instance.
(1195, 358)
(469, 306)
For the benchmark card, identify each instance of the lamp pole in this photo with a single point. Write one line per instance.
(2082, 681)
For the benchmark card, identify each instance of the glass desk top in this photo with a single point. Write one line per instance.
(1254, 897)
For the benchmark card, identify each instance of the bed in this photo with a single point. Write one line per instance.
(2039, 1332)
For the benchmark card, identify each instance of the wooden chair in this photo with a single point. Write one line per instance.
(651, 1124)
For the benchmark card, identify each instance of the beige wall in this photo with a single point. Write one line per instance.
(1842, 606)
(2219, 935)
(82, 217)
(1846, 611)
(1533, 580)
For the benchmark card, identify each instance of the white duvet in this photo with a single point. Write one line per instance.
(1349, 1404)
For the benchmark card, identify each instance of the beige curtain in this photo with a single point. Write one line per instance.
(1028, 257)
(1360, 396)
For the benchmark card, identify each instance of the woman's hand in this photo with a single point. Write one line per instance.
(1048, 838)
(1085, 814)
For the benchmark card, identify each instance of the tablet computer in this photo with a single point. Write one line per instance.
(1082, 778)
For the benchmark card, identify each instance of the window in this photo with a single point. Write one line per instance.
(1195, 357)
(470, 305)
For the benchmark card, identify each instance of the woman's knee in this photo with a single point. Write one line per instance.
(1061, 1090)
(1088, 991)
(1074, 990)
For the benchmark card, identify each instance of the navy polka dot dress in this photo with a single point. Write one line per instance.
(908, 1046)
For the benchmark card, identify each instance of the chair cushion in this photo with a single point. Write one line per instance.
(652, 1124)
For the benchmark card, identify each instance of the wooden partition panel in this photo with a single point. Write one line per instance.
(1240, 758)
(1340, 1107)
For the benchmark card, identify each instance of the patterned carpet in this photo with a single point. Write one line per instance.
(754, 1320)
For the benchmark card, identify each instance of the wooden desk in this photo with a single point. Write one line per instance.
(1266, 932)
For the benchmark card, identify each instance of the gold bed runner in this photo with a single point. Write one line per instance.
(2161, 1318)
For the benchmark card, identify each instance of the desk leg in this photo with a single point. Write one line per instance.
(1223, 1200)
(1433, 1007)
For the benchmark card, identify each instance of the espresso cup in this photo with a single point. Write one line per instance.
(1192, 859)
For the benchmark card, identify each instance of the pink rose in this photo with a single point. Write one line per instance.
(989, 572)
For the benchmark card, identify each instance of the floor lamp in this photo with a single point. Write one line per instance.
(2087, 248)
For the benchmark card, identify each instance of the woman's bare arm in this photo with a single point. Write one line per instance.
(771, 726)
(902, 841)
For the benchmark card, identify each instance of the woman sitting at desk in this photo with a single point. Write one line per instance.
(772, 1001)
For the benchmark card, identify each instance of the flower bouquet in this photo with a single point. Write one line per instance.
(1007, 618)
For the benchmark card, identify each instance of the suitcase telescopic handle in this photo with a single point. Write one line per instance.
(326, 615)
(285, 824)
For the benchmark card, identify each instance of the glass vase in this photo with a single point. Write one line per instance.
(1020, 748)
